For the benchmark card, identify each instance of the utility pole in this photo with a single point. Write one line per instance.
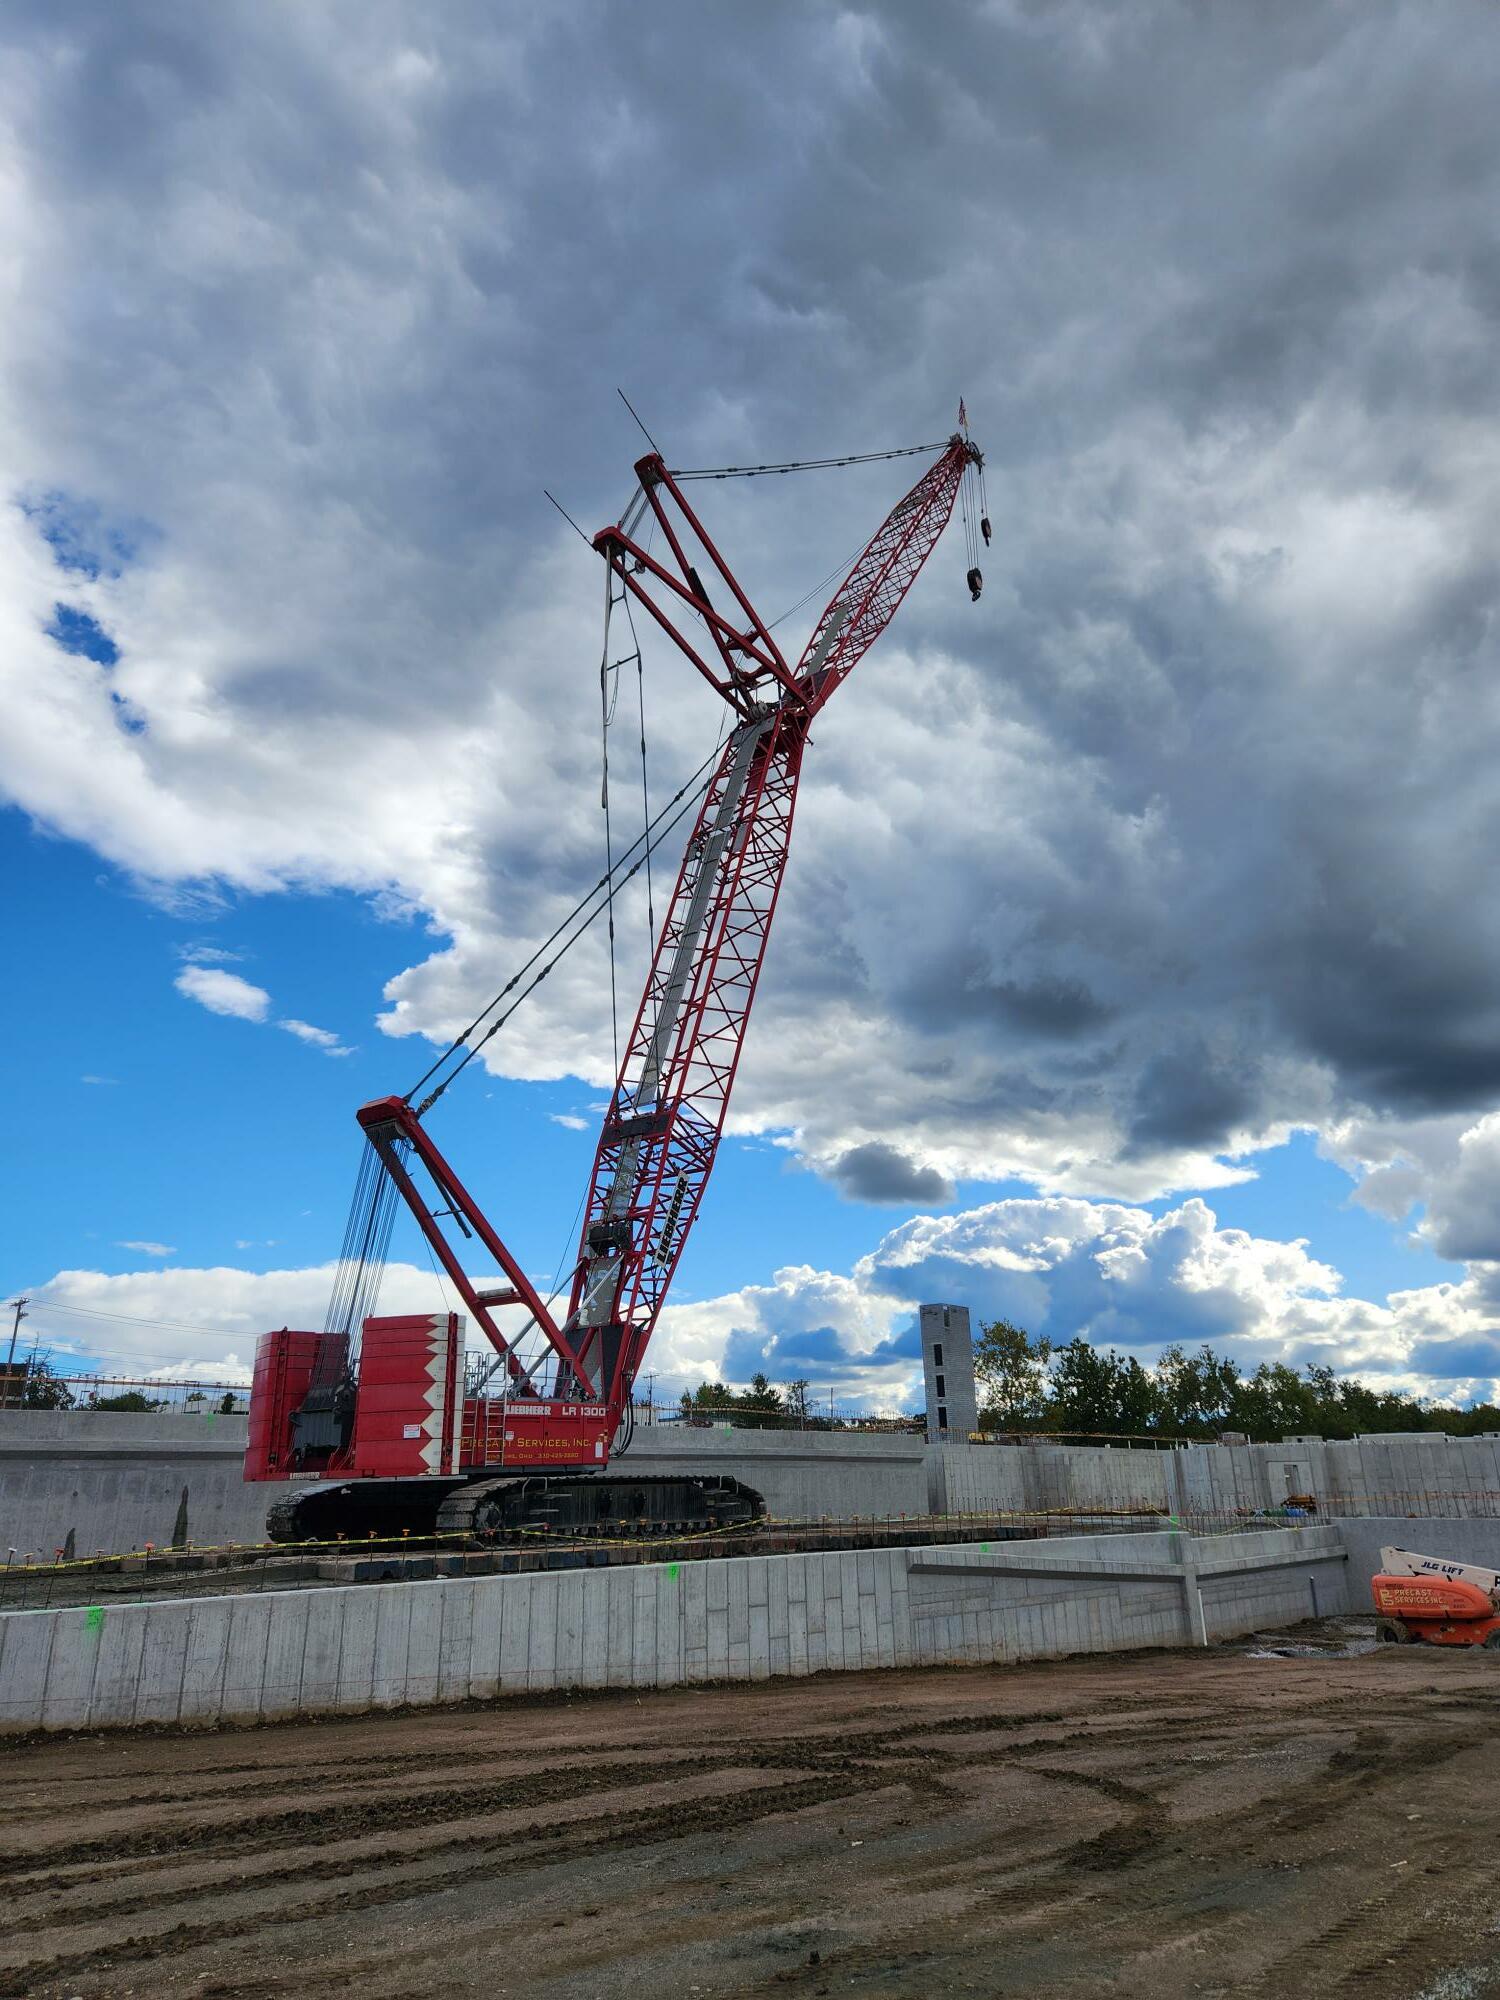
(10, 1359)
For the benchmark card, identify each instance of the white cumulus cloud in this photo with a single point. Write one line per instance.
(1058, 1265)
(319, 1038)
(223, 992)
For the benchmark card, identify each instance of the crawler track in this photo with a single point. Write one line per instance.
(1201, 1823)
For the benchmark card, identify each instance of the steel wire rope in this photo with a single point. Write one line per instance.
(840, 570)
(801, 464)
(640, 689)
(664, 824)
(660, 827)
(607, 714)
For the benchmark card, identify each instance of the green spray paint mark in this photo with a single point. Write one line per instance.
(94, 1620)
(984, 1548)
(672, 1568)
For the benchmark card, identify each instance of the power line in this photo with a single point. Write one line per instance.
(133, 1319)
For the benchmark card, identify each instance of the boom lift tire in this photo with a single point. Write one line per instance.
(1391, 1632)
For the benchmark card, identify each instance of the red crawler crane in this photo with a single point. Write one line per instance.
(389, 1423)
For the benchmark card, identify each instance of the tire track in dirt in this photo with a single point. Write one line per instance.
(997, 1841)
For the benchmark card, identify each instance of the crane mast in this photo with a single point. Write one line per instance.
(666, 1114)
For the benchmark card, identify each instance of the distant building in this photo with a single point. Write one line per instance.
(948, 1370)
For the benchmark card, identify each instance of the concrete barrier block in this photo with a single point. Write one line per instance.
(424, 1641)
(778, 1617)
(670, 1665)
(250, 1622)
(320, 1654)
(694, 1581)
(716, 1622)
(567, 1657)
(456, 1640)
(847, 1574)
(798, 1659)
(206, 1660)
(644, 1662)
(541, 1653)
(356, 1671)
(594, 1670)
(163, 1657)
(117, 1669)
(392, 1643)
(885, 1635)
(25, 1651)
(758, 1643)
(815, 1609)
(737, 1631)
(286, 1644)
(515, 1632)
(484, 1650)
(619, 1644)
(70, 1669)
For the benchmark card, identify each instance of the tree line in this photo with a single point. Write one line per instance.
(1031, 1384)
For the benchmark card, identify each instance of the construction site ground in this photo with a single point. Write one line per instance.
(1300, 1814)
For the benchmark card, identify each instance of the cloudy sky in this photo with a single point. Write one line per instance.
(1136, 972)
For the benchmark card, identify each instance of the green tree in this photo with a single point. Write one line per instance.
(708, 1396)
(760, 1395)
(1195, 1392)
(1107, 1394)
(1010, 1368)
(1274, 1402)
(760, 1406)
(43, 1389)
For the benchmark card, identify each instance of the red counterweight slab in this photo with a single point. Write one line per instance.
(284, 1365)
(410, 1403)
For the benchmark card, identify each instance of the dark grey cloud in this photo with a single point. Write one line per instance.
(1180, 837)
(877, 1172)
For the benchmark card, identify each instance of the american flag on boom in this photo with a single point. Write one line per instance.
(963, 415)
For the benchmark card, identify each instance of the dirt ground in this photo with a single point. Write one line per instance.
(1162, 1825)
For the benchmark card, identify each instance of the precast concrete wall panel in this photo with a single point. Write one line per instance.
(245, 1659)
(1475, 1541)
(980, 1478)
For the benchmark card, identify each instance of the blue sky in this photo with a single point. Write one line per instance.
(141, 1117)
(1138, 966)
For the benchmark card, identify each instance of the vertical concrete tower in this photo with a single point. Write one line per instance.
(948, 1369)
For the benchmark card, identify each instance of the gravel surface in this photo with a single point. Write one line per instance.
(1256, 1820)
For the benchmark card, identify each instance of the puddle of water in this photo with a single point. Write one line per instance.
(1328, 1639)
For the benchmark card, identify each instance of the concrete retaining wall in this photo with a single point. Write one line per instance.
(1033, 1478)
(1452, 1477)
(117, 1480)
(1450, 1541)
(244, 1659)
